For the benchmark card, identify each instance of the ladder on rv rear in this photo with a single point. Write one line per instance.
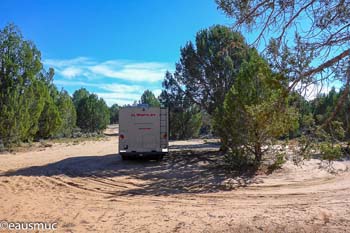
(163, 128)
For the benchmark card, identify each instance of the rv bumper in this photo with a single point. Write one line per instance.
(140, 154)
(157, 155)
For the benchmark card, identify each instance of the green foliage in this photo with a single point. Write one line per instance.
(67, 113)
(14, 117)
(330, 151)
(305, 113)
(185, 118)
(326, 140)
(36, 96)
(206, 127)
(78, 95)
(336, 130)
(278, 163)
(298, 58)
(255, 111)
(318, 137)
(114, 114)
(92, 114)
(50, 120)
(21, 86)
(30, 104)
(324, 105)
(186, 123)
(207, 69)
(237, 160)
(149, 98)
(205, 73)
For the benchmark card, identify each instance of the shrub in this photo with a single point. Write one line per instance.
(330, 152)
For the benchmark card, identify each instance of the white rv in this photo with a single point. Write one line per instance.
(143, 131)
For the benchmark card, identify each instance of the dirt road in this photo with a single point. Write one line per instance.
(87, 188)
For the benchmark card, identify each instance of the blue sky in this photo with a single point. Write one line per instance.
(116, 49)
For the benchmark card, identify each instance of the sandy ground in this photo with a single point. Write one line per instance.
(88, 188)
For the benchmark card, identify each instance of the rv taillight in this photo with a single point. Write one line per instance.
(121, 136)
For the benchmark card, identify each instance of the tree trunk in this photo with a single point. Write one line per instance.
(258, 152)
(223, 146)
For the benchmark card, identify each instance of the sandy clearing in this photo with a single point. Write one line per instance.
(87, 188)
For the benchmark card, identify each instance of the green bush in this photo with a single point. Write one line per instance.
(330, 152)
(255, 110)
(238, 160)
(278, 163)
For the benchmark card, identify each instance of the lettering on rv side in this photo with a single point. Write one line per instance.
(144, 115)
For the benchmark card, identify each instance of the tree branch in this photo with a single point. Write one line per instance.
(320, 68)
(340, 102)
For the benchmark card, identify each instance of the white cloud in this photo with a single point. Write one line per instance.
(311, 91)
(123, 94)
(61, 63)
(118, 95)
(157, 92)
(89, 73)
(134, 72)
(122, 88)
(119, 98)
(71, 72)
(68, 83)
(118, 69)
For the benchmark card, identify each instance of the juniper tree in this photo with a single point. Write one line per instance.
(253, 112)
(22, 91)
(208, 67)
(92, 114)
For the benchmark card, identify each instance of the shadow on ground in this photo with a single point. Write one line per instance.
(111, 134)
(205, 146)
(179, 172)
